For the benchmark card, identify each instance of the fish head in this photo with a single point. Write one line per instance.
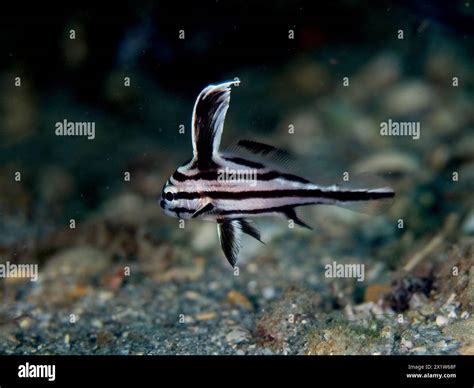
(173, 204)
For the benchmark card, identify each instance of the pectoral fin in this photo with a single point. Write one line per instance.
(207, 208)
(230, 233)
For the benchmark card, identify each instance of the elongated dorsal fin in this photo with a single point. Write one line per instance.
(230, 233)
(208, 122)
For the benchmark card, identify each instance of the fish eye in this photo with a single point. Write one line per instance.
(169, 196)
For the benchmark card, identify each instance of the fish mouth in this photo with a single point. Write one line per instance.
(162, 204)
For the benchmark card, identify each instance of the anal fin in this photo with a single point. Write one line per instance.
(290, 213)
(249, 228)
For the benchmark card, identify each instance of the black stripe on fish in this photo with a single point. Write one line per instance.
(213, 175)
(273, 209)
(341, 195)
(287, 211)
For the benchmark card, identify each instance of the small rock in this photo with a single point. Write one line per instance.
(206, 316)
(378, 74)
(419, 350)
(427, 310)
(406, 343)
(408, 98)
(452, 314)
(467, 350)
(441, 320)
(268, 292)
(375, 292)
(386, 332)
(130, 208)
(237, 336)
(25, 323)
(79, 261)
(468, 225)
(183, 273)
(236, 298)
(97, 323)
(192, 295)
(388, 162)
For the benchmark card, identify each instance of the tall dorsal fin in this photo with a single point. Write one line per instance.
(208, 122)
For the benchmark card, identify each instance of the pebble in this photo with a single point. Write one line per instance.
(236, 298)
(192, 295)
(408, 98)
(25, 323)
(392, 162)
(130, 208)
(77, 261)
(468, 224)
(268, 292)
(441, 320)
(452, 314)
(378, 74)
(206, 316)
(406, 343)
(419, 350)
(237, 336)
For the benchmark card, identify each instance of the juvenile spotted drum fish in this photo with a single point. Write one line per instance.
(229, 189)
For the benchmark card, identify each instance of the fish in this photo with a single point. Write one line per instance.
(231, 190)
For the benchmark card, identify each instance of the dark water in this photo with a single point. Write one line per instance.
(334, 74)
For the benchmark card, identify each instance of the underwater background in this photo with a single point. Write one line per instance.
(116, 276)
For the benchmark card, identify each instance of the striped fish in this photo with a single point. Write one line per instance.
(229, 189)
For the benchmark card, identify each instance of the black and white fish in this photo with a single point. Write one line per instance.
(229, 189)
